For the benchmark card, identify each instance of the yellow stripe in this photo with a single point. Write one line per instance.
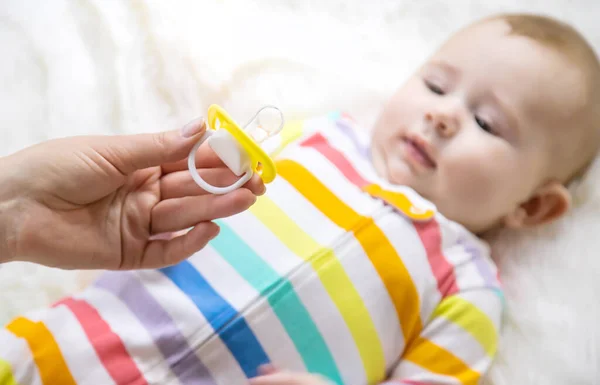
(468, 316)
(6, 376)
(380, 251)
(336, 282)
(46, 352)
(435, 359)
(291, 131)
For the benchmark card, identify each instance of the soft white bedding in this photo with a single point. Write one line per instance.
(109, 66)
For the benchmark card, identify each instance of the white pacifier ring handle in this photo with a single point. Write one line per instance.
(205, 185)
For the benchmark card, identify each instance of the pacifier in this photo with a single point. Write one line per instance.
(239, 148)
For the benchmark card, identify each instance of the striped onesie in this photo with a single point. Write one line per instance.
(332, 271)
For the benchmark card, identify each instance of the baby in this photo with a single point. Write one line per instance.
(364, 262)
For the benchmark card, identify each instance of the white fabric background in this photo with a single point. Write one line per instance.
(110, 66)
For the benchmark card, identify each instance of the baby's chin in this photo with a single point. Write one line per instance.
(396, 172)
(399, 173)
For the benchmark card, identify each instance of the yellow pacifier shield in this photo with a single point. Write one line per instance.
(260, 161)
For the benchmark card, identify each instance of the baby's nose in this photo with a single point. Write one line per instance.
(443, 123)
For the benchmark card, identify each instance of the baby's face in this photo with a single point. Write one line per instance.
(471, 130)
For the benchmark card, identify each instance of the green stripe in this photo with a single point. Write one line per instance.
(284, 301)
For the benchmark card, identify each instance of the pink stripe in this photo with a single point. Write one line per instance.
(428, 231)
(430, 235)
(108, 345)
(320, 143)
(347, 116)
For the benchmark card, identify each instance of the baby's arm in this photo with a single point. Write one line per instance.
(458, 343)
(455, 347)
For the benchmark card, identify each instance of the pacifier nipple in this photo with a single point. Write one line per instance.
(265, 124)
(240, 149)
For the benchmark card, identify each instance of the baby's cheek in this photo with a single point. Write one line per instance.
(406, 106)
(472, 197)
(479, 182)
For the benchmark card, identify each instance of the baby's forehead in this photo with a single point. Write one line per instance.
(541, 83)
(547, 74)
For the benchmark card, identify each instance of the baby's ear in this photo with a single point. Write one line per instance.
(548, 203)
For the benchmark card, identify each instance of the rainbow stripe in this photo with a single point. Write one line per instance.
(231, 327)
(384, 257)
(428, 231)
(46, 353)
(293, 315)
(174, 347)
(443, 270)
(318, 283)
(334, 278)
(108, 345)
(6, 377)
(471, 319)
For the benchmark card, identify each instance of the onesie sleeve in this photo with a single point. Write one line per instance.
(458, 343)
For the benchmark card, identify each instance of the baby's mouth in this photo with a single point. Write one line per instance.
(418, 151)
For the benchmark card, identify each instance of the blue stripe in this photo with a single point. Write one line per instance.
(334, 115)
(283, 300)
(225, 320)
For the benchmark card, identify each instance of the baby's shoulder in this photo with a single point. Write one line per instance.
(470, 259)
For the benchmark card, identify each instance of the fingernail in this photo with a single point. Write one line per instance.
(216, 233)
(192, 128)
(267, 369)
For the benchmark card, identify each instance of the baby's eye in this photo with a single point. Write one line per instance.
(484, 125)
(434, 88)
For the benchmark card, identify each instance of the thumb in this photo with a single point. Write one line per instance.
(135, 152)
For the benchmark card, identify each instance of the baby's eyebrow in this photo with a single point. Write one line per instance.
(448, 68)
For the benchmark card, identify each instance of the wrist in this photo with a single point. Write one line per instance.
(8, 239)
(10, 214)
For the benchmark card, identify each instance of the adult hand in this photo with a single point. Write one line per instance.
(269, 375)
(114, 202)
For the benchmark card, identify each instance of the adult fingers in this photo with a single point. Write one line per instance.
(129, 153)
(180, 213)
(180, 184)
(205, 157)
(166, 252)
(286, 378)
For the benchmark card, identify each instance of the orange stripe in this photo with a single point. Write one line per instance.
(380, 251)
(46, 353)
(435, 359)
(396, 199)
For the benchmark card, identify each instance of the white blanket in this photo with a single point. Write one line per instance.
(110, 66)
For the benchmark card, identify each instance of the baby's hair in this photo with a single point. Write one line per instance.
(573, 46)
(556, 35)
